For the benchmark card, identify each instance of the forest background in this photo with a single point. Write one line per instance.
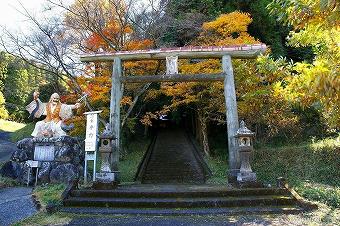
(290, 93)
(289, 96)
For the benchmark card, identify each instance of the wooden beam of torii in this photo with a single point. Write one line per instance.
(195, 52)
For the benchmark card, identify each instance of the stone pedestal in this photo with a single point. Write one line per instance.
(61, 162)
(246, 174)
(106, 180)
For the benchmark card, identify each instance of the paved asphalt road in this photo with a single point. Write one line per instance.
(6, 147)
(15, 204)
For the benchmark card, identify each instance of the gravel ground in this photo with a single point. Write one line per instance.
(15, 204)
(168, 221)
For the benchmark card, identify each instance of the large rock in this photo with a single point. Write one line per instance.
(22, 155)
(68, 160)
(11, 169)
(26, 144)
(44, 172)
(64, 173)
(27, 176)
(63, 154)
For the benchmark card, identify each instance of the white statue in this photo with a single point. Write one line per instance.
(55, 112)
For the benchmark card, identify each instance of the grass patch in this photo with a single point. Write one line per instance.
(128, 166)
(219, 168)
(319, 192)
(316, 162)
(23, 132)
(310, 168)
(9, 126)
(6, 182)
(43, 218)
(49, 194)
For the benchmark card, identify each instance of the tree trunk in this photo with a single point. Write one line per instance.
(204, 132)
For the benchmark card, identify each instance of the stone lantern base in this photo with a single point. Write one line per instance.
(106, 180)
(246, 177)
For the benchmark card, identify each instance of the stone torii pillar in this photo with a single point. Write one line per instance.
(232, 117)
(115, 98)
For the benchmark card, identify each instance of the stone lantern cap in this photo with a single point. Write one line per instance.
(243, 131)
(107, 133)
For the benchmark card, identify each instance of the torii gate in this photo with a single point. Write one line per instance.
(171, 55)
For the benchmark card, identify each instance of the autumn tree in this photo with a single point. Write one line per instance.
(106, 26)
(316, 25)
(257, 102)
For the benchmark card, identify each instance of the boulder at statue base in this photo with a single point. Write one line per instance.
(67, 164)
(64, 173)
(44, 172)
(11, 169)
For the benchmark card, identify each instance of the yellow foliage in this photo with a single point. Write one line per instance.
(227, 29)
(226, 24)
(126, 101)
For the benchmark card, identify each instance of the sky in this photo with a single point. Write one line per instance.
(11, 18)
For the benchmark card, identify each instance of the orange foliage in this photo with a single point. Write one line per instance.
(257, 102)
(227, 29)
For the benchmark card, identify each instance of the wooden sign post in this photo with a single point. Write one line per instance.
(91, 141)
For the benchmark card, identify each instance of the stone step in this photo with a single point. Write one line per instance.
(205, 202)
(172, 160)
(164, 178)
(169, 174)
(175, 167)
(180, 193)
(184, 211)
(170, 169)
(191, 180)
(174, 181)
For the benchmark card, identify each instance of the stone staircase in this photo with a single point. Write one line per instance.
(172, 176)
(182, 199)
(173, 159)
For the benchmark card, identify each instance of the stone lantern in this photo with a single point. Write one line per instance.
(245, 147)
(107, 178)
(105, 150)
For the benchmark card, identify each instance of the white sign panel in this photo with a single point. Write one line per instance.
(44, 152)
(91, 141)
(91, 130)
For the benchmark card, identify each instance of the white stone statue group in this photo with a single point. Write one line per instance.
(56, 113)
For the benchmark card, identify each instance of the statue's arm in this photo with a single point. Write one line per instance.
(66, 110)
(74, 106)
(36, 108)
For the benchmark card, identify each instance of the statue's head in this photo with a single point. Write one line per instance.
(55, 98)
